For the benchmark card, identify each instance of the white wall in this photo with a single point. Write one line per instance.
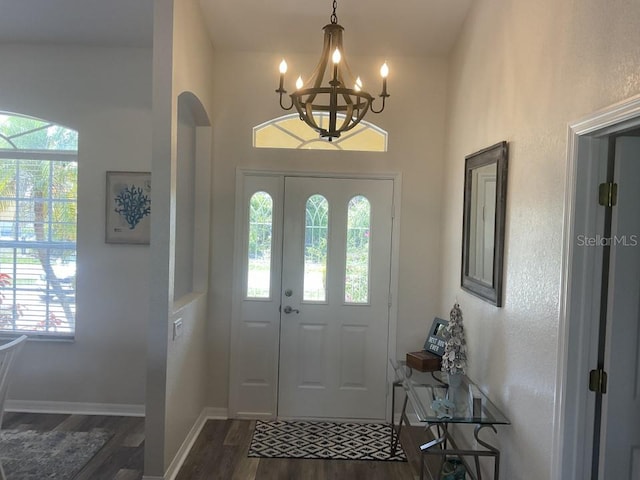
(176, 377)
(104, 94)
(521, 72)
(244, 85)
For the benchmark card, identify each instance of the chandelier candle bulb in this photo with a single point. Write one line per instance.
(336, 60)
(283, 70)
(299, 83)
(384, 72)
(336, 56)
(281, 90)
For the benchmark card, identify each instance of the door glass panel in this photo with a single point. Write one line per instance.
(315, 249)
(356, 283)
(260, 229)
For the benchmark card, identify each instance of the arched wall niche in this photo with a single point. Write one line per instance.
(192, 195)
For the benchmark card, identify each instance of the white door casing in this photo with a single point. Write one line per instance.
(333, 353)
(256, 323)
(620, 440)
(580, 288)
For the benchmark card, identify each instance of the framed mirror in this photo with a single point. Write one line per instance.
(485, 198)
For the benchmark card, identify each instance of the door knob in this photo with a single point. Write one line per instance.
(288, 309)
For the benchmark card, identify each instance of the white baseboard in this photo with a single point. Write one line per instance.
(254, 416)
(208, 413)
(322, 419)
(79, 408)
(185, 448)
(217, 413)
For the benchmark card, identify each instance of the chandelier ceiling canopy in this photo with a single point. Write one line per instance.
(341, 95)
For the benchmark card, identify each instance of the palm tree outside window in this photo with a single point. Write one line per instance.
(38, 211)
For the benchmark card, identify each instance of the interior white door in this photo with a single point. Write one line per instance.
(335, 298)
(620, 457)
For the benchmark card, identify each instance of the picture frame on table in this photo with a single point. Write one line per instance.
(435, 341)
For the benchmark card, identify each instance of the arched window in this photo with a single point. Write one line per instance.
(38, 205)
(315, 249)
(289, 132)
(260, 244)
(356, 284)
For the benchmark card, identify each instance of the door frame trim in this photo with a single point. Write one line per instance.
(578, 320)
(396, 178)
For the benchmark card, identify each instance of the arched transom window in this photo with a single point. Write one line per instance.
(289, 132)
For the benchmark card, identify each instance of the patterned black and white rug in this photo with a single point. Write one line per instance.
(324, 440)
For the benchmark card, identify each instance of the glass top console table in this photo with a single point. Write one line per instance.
(437, 405)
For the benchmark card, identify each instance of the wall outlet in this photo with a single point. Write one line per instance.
(177, 328)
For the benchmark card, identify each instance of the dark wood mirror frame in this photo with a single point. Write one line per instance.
(491, 288)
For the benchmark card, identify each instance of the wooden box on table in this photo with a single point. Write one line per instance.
(424, 361)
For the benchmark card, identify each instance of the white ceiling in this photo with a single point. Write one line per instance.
(405, 27)
(126, 23)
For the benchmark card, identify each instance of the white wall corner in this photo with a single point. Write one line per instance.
(216, 413)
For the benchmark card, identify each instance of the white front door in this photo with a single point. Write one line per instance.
(327, 357)
(334, 323)
(621, 410)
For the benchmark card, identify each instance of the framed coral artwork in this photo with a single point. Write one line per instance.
(128, 207)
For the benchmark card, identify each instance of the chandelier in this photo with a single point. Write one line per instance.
(341, 95)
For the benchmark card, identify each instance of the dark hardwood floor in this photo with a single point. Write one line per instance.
(121, 458)
(220, 452)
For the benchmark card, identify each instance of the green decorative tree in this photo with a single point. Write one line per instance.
(454, 359)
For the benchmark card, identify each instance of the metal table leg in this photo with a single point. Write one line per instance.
(440, 447)
(395, 435)
(393, 413)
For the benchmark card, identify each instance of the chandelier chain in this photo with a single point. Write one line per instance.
(334, 17)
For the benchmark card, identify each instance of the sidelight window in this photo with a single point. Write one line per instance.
(356, 288)
(260, 245)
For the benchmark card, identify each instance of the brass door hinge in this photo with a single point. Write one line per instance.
(598, 381)
(608, 194)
